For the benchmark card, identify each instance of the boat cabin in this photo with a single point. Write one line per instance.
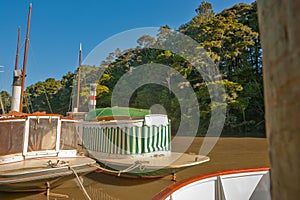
(36, 135)
(137, 135)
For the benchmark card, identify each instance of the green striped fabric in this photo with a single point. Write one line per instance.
(126, 141)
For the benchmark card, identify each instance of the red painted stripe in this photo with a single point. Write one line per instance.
(172, 188)
(92, 97)
(18, 115)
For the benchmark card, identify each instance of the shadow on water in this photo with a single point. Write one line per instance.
(119, 180)
(97, 184)
(21, 195)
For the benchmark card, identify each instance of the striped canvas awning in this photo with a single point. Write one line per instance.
(126, 140)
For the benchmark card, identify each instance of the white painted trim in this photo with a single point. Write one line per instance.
(11, 158)
(67, 153)
(26, 137)
(12, 120)
(58, 133)
(37, 154)
(192, 190)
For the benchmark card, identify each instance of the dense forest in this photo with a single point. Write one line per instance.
(231, 39)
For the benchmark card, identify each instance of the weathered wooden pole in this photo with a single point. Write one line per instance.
(17, 81)
(25, 58)
(18, 48)
(280, 34)
(78, 78)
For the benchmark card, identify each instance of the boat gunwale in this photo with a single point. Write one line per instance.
(60, 172)
(166, 192)
(48, 168)
(118, 162)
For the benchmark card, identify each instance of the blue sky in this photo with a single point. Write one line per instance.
(58, 26)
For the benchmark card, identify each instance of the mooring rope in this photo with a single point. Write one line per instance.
(135, 165)
(80, 183)
(60, 164)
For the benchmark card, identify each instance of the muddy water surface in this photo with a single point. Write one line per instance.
(228, 153)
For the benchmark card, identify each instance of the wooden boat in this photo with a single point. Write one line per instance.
(39, 150)
(133, 145)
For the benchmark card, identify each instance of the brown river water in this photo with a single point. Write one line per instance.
(227, 154)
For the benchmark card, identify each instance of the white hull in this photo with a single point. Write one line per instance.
(33, 174)
(252, 184)
(39, 151)
(148, 167)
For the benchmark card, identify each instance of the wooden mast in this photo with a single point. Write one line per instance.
(78, 78)
(25, 58)
(18, 48)
(17, 79)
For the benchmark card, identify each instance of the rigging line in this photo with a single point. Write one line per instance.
(74, 93)
(70, 102)
(26, 104)
(29, 102)
(22, 46)
(72, 96)
(33, 53)
(21, 49)
(50, 108)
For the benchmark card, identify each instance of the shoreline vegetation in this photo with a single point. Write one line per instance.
(231, 38)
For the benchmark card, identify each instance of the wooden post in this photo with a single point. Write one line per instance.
(279, 27)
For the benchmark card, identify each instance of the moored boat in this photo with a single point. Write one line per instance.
(136, 144)
(38, 151)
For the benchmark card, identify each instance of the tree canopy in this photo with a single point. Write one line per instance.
(231, 39)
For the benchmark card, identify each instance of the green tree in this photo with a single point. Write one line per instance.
(50, 96)
(231, 37)
(6, 101)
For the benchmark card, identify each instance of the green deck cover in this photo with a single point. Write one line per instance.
(117, 111)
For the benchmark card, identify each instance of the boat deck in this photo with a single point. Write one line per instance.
(227, 154)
